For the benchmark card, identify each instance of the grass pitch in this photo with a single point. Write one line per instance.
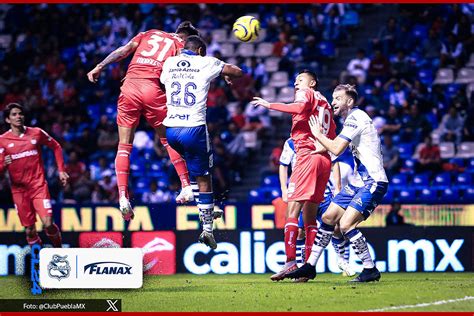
(328, 292)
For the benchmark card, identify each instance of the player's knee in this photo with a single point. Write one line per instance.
(301, 234)
(329, 219)
(346, 226)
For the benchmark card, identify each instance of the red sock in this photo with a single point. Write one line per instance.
(310, 230)
(122, 168)
(34, 240)
(291, 232)
(178, 163)
(54, 234)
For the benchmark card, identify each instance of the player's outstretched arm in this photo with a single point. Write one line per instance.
(230, 72)
(335, 146)
(117, 55)
(292, 108)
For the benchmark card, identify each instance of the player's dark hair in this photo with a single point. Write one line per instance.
(10, 107)
(350, 91)
(312, 75)
(194, 42)
(187, 28)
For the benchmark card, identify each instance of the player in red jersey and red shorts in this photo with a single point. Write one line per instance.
(142, 94)
(312, 170)
(20, 154)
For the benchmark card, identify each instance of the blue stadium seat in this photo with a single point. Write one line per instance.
(262, 195)
(142, 185)
(464, 180)
(449, 195)
(451, 90)
(407, 195)
(350, 18)
(458, 162)
(421, 180)
(271, 181)
(442, 180)
(138, 167)
(327, 49)
(408, 166)
(428, 195)
(406, 150)
(389, 197)
(470, 165)
(68, 54)
(399, 180)
(420, 31)
(426, 76)
(468, 195)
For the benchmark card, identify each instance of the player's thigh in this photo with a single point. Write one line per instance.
(128, 111)
(309, 179)
(41, 203)
(24, 208)
(154, 105)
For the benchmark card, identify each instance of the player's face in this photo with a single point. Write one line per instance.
(16, 118)
(340, 103)
(304, 81)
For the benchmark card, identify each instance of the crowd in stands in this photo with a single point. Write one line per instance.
(407, 77)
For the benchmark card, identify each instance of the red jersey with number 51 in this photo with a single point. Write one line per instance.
(154, 47)
(314, 104)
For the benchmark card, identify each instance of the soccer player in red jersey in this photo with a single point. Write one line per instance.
(20, 154)
(312, 170)
(142, 94)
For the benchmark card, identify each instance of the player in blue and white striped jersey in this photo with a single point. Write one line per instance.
(341, 246)
(187, 78)
(353, 204)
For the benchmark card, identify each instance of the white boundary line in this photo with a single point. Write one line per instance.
(466, 298)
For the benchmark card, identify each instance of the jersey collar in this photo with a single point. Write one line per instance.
(188, 52)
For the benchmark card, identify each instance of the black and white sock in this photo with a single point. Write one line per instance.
(359, 244)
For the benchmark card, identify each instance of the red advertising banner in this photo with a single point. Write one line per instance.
(159, 251)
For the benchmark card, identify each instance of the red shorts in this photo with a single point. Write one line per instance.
(309, 178)
(141, 97)
(31, 202)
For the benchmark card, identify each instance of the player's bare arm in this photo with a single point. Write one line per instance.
(117, 55)
(292, 108)
(335, 146)
(230, 72)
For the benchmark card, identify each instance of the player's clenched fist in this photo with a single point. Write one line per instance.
(94, 74)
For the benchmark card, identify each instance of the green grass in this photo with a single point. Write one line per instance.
(329, 292)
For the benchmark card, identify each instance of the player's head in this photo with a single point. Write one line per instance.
(186, 29)
(14, 114)
(344, 98)
(196, 44)
(306, 79)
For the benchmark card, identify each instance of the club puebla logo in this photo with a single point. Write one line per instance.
(59, 267)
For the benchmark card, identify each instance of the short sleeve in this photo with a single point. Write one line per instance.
(287, 154)
(138, 38)
(351, 129)
(215, 67)
(301, 96)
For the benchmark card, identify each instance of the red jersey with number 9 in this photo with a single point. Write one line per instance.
(154, 47)
(314, 104)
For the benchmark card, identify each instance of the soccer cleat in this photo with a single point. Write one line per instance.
(345, 268)
(288, 267)
(367, 275)
(126, 208)
(306, 271)
(301, 280)
(186, 195)
(207, 238)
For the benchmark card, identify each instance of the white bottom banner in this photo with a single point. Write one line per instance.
(91, 268)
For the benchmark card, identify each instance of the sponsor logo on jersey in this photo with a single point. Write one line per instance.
(33, 141)
(183, 63)
(358, 201)
(24, 154)
(11, 145)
